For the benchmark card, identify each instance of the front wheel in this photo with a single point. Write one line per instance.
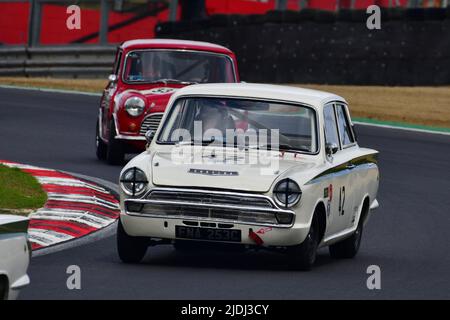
(131, 249)
(349, 247)
(304, 255)
(100, 146)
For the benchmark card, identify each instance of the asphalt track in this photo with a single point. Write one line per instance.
(408, 237)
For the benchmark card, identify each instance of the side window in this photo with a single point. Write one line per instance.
(331, 134)
(345, 130)
(117, 63)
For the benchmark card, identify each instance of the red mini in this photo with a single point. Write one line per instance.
(146, 73)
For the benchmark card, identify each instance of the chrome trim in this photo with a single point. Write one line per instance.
(217, 220)
(206, 191)
(154, 114)
(132, 138)
(181, 50)
(125, 190)
(100, 125)
(283, 205)
(347, 115)
(207, 205)
(275, 209)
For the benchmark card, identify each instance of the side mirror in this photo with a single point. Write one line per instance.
(112, 78)
(149, 136)
(331, 148)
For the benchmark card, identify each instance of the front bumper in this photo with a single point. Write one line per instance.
(164, 228)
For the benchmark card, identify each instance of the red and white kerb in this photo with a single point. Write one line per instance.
(74, 207)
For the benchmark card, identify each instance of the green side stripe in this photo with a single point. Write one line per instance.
(370, 158)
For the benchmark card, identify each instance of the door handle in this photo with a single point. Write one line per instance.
(350, 166)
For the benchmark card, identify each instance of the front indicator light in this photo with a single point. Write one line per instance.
(284, 217)
(134, 206)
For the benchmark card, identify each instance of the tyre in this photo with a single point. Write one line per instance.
(304, 255)
(349, 247)
(100, 146)
(115, 154)
(131, 249)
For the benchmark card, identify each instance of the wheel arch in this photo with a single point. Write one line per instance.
(365, 208)
(320, 215)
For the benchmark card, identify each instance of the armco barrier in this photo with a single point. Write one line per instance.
(67, 62)
(311, 46)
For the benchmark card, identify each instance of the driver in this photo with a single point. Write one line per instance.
(214, 115)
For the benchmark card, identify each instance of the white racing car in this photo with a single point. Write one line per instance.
(260, 166)
(15, 254)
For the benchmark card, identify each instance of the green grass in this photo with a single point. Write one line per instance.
(19, 191)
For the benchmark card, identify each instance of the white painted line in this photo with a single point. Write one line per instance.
(401, 128)
(83, 198)
(88, 200)
(51, 90)
(46, 237)
(87, 218)
(69, 182)
(24, 166)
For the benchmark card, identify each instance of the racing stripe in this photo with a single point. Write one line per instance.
(341, 168)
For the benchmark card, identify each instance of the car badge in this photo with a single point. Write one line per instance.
(213, 172)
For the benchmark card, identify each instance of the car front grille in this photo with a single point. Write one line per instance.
(151, 122)
(216, 206)
(211, 198)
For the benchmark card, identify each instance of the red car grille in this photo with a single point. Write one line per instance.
(151, 123)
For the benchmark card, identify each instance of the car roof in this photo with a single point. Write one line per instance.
(174, 44)
(310, 97)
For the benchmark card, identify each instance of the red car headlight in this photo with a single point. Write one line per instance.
(134, 106)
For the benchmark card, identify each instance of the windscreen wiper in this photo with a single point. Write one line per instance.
(203, 142)
(281, 146)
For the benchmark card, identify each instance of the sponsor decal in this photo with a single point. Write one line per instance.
(264, 230)
(252, 235)
(162, 90)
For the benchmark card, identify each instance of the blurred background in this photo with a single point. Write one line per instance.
(277, 41)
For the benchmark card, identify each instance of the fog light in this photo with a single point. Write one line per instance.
(134, 206)
(284, 217)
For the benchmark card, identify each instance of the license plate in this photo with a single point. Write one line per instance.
(210, 234)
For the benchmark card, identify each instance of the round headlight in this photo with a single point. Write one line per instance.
(287, 193)
(134, 182)
(134, 106)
